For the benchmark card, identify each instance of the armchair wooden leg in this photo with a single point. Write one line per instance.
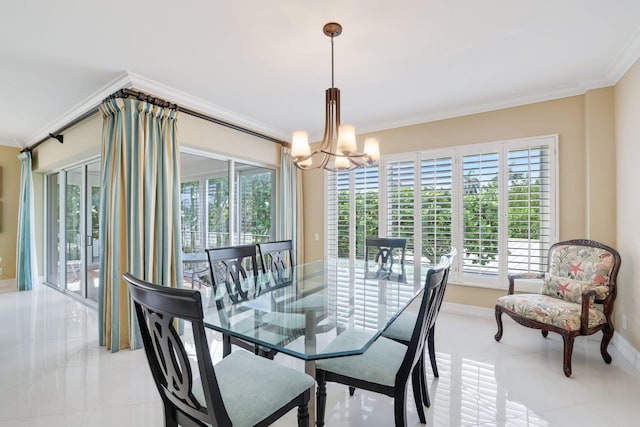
(498, 335)
(321, 397)
(545, 333)
(303, 415)
(568, 351)
(606, 338)
(352, 391)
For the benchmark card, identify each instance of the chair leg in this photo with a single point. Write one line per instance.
(170, 416)
(416, 379)
(321, 397)
(568, 351)
(400, 406)
(423, 381)
(432, 351)
(606, 338)
(545, 333)
(498, 335)
(226, 345)
(352, 391)
(303, 415)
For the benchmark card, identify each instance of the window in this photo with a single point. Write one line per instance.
(255, 202)
(352, 211)
(72, 258)
(495, 202)
(436, 184)
(225, 203)
(400, 209)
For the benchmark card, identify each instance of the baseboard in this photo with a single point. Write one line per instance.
(627, 351)
(12, 285)
(8, 284)
(470, 310)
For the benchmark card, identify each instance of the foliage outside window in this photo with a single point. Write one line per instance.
(207, 214)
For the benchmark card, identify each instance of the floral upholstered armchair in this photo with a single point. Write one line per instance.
(576, 297)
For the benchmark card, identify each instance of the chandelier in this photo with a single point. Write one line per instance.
(338, 150)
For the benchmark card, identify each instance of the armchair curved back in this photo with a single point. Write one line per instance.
(576, 265)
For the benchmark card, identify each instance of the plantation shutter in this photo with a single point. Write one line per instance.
(436, 180)
(352, 211)
(529, 212)
(366, 212)
(401, 196)
(481, 215)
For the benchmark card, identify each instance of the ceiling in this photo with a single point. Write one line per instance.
(266, 64)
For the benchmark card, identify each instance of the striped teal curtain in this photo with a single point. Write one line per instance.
(26, 263)
(139, 210)
(291, 203)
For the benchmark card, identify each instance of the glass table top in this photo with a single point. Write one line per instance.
(301, 310)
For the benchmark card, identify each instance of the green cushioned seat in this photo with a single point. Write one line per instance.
(402, 327)
(378, 364)
(253, 387)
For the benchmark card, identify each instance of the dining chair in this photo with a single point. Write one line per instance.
(277, 257)
(385, 366)
(241, 390)
(385, 252)
(228, 267)
(401, 328)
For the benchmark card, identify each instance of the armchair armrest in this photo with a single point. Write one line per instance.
(597, 293)
(530, 275)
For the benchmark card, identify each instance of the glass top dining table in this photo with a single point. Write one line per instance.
(301, 310)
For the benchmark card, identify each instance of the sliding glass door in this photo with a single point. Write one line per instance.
(72, 256)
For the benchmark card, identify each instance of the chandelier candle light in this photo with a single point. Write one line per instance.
(333, 155)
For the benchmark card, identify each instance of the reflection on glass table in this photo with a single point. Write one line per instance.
(196, 269)
(300, 312)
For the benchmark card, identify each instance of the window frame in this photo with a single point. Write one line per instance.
(233, 175)
(457, 154)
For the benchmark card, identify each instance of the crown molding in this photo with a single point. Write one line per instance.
(628, 56)
(498, 104)
(11, 143)
(92, 101)
(197, 104)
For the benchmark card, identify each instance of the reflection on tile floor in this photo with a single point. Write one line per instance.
(54, 374)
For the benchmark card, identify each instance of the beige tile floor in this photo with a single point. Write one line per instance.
(53, 373)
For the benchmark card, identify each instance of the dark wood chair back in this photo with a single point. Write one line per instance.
(276, 257)
(228, 267)
(156, 309)
(385, 252)
(435, 286)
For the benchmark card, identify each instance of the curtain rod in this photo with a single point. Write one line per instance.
(58, 134)
(130, 93)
